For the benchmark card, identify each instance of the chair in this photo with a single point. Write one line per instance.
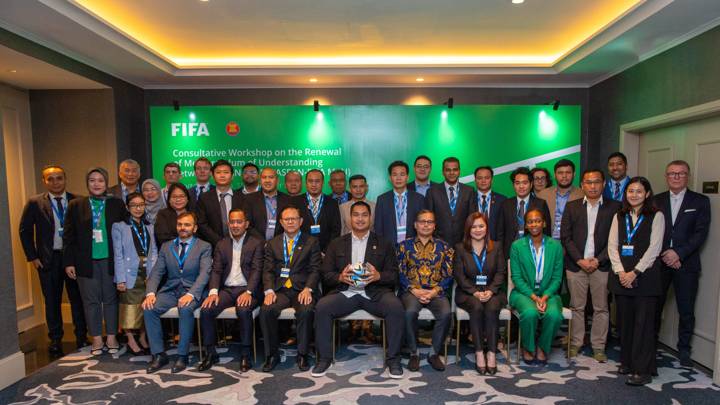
(231, 313)
(173, 313)
(359, 315)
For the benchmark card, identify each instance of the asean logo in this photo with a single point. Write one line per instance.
(232, 128)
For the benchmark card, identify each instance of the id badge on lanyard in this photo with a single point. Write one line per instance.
(628, 250)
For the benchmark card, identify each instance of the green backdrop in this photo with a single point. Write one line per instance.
(365, 139)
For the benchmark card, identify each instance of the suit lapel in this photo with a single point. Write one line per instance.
(46, 209)
(298, 250)
(370, 248)
(347, 248)
(683, 206)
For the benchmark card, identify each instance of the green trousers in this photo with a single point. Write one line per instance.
(530, 316)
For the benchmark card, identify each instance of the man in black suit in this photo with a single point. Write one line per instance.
(203, 170)
(422, 168)
(263, 207)
(487, 202)
(687, 222)
(584, 232)
(41, 230)
(373, 291)
(290, 278)
(322, 217)
(451, 201)
(234, 282)
(213, 208)
(129, 173)
(396, 209)
(511, 218)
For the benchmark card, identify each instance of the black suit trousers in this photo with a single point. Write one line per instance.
(269, 314)
(227, 298)
(52, 280)
(636, 316)
(685, 285)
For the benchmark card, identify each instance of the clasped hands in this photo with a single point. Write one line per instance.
(588, 265)
(483, 296)
(671, 259)
(540, 302)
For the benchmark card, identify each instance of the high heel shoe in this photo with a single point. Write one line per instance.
(490, 370)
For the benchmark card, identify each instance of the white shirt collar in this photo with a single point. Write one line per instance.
(356, 239)
(239, 242)
(600, 201)
(681, 194)
(229, 192)
(63, 195)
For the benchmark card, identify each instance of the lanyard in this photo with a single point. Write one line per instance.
(56, 209)
(483, 203)
(537, 259)
(315, 214)
(288, 255)
(96, 215)
(181, 260)
(268, 204)
(630, 234)
(400, 205)
(480, 263)
(142, 236)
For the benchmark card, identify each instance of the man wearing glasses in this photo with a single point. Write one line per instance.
(422, 168)
(250, 178)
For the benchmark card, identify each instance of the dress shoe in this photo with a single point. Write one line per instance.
(270, 363)
(180, 364)
(303, 362)
(638, 379)
(622, 370)
(395, 368)
(321, 367)
(482, 370)
(436, 362)
(414, 363)
(55, 348)
(685, 360)
(491, 370)
(208, 362)
(158, 361)
(245, 364)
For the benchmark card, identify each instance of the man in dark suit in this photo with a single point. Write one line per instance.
(487, 202)
(234, 282)
(618, 181)
(451, 201)
(687, 223)
(396, 209)
(185, 264)
(422, 168)
(41, 230)
(322, 217)
(129, 173)
(511, 218)
(203, 170)
(263, 207)
(213, 208)
(290, 278)
(584, 232)
(373, 291)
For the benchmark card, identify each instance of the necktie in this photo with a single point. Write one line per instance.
(200, 191)
(617, 191)
(61, 209)
(314, 207)
(224, 213)
(483, 205)
(183, 247)
(521, 216)
(288, 282)
(453, 200)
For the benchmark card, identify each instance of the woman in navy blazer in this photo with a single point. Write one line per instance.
(135, 254)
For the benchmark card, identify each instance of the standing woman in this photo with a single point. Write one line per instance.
(536, 269)
(153, 199)
(87, 257)
(135, 254)
(541, 179)
(635, 241)
(166, 221)
(479, 271)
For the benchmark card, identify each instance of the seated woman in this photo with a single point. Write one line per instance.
(536, 269)
(479, 271)
(166, 221)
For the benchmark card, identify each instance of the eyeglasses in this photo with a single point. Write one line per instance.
(425, 222)
(422, 166)
(591, 182)
(540, 178)
(250, 172)
(136, 205)
(290, 219)
(178, 197)
(677, 175)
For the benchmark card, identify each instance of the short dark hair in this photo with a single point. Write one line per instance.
(172, 188)
(250, 164)
(336, 171)
(51, 166)
(488, 168)
(451, 159)
(519, 171)
(132, 195)
(202, 159)
(423, 212)
(564, 163)
(223, 162)
(362, 204)
(592, 170)
(422, 157)
(398, 163)
(548, 178)
(617, 154)
(187, 214)
(322, 175)
(171, 164)
(290, 207)
(357, 177)
(236, 210)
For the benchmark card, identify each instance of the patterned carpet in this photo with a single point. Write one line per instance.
(356, 377)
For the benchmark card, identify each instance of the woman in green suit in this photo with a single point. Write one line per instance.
(536, 268)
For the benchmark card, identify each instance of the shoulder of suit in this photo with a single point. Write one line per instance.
(203, 244)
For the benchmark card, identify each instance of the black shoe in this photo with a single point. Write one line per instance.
(245, 364)
(270, 363)
(80, 343)
(436, 363)
(685, 360)
(414, 363)
(55, 348)
(395, 368)
(622, 370)
(321, 367)
(481, 370)
(180, 364)
(638, 379)
(158, 361)
(303, 362)
(208, 362)
(491, 370)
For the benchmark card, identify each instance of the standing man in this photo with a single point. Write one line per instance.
(203, 169)
(422, 168)
(214, 207)
(687, 222)
(290, 279)
(172, 175)
(323, 219)
(558, 196)
(234, 282)
(337, 185)
(263, 207)
(487, 202)
(584, 235)
(398, 207)
(293, 183)
(618, 181)
(41, 231)
(250, 178)
(129, 173)
(358, 192)
(186, 262)
(451, 201)
(511, 218)
(425, 265)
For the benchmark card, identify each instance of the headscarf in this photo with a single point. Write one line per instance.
(152, 208)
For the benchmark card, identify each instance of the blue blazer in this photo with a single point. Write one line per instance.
(608, 191)
(385, 220)
(125, 256)
(691, 227)
(194, 277)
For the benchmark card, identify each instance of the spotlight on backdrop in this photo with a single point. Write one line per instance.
(554, 103)
(176, 105)
(450, 103)
(316, 105)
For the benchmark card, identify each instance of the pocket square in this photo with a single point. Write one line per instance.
(690, 210)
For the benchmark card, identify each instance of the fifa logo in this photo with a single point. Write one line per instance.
(189, 129)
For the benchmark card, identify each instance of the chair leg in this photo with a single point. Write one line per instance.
(519, 342)
(382, 322)
(507, 358)
(568, 339)
(334, 327)
(254, 344)
(457, 344)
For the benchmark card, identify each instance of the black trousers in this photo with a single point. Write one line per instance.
(636, 317)
(440, 308)
(269, 314)
(685, 284)
(227, 298)
(483, 318)
(337, 305)
(52, 280)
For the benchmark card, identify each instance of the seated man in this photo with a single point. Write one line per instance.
(373, 291)
(290, 277)
(186, 261)
(234, 282)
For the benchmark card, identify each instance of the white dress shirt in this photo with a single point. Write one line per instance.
(57, 239)
(675, 203)
(592, 213)
(236, 278)
(359, 245)
(647, 260)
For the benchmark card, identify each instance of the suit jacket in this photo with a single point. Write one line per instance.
(251, 262)
(194, 200)
(254, 204)
(210, 216)
(77, 236)
(125, 255)
(116, 191)
(690, 229)
(329, 220)
(413, 187)
(465, 269)
(507, 226)
(194, 276)
(345, 216)
(574, 232)
(496, 200)
(37, 228)
(379, 252)
(449, 227)
(550, 196)
(304, 267)
(608, 190)
(523, 268)
(165, 226)
(385, 219)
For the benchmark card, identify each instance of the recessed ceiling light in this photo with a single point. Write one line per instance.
(313, 80)
(205, 1)
(518, 1)
(419, 79)
(12, 71)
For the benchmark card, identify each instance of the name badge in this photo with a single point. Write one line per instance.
(60, 232)
(97, 235)
(521, 233)
(537, 285)
(627, 250)
(284, 272)
(314, 229)
(481, 279)
(271, 224)
(401, 232)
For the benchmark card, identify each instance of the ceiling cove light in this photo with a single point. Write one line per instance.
(419, 79)
(313, 80)
(518, 1)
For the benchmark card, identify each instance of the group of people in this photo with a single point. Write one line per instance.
(129, 253)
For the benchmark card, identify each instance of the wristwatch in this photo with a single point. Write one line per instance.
(248, 292)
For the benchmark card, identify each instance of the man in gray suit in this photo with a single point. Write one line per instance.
(186, 261)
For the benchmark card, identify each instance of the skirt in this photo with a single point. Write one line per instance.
(131, 312)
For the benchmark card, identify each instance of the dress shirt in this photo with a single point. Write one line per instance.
(425, 266)
(198, 192)
(675, 203)
(647, 260)
(402, 218)
(422, 188)
(359, 245)
(592, 213)
(456, 190)
(125, 190)
(488, 201)
(228, 201)
(236, 278)
(270, 232)
(57, 238)
(560, 202)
